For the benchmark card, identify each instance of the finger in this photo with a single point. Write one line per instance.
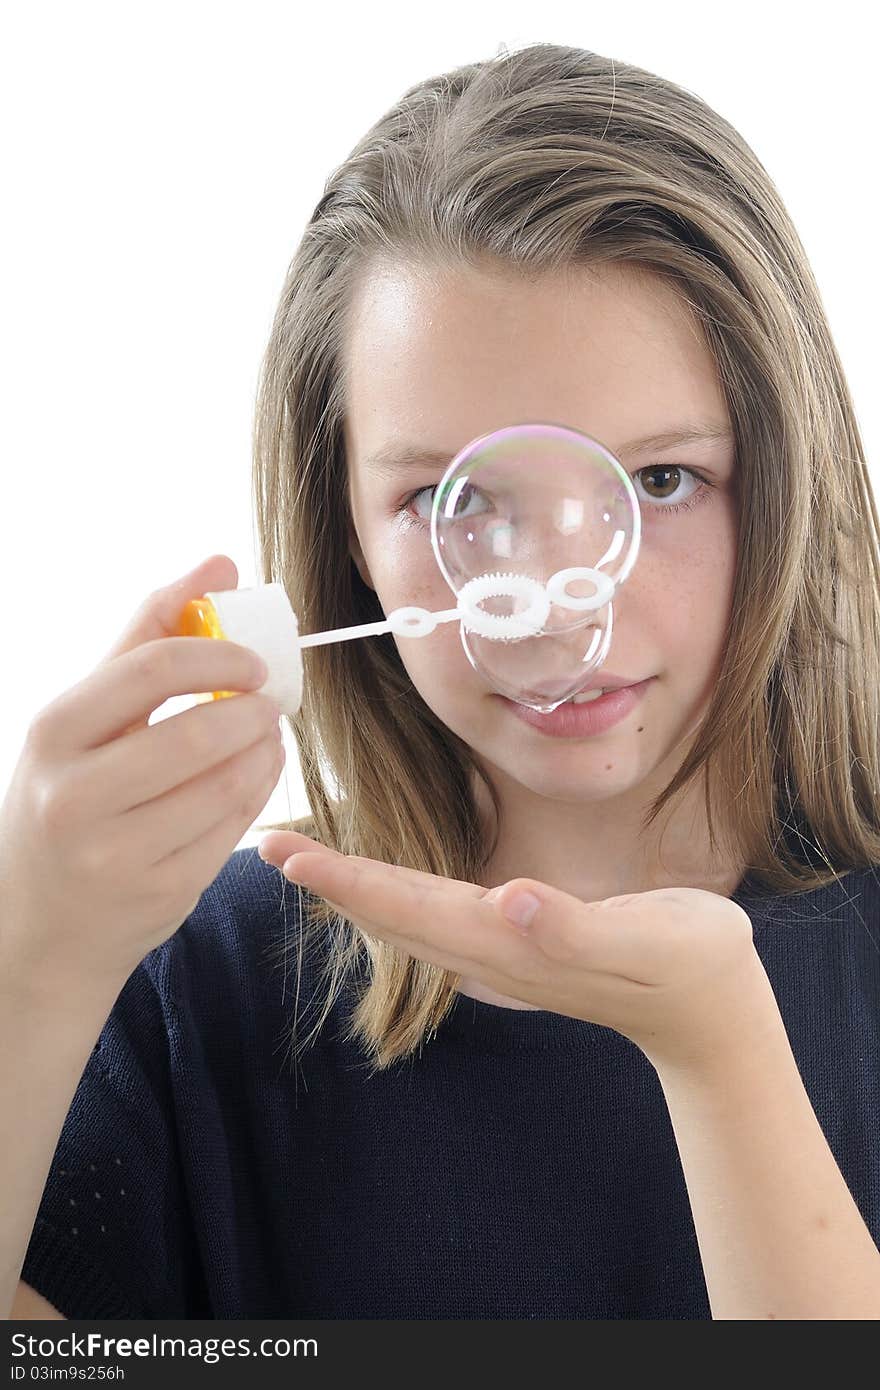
(117, 698)
(434, 954)
(436, 915)
(604, 938)
(401, 872)
(278, 846)
(282, 845)
(491, 973)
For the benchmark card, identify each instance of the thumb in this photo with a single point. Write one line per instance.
(159, 614)
(518, 904)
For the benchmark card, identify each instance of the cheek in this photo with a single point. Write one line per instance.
(405, 569)
(676, 604)
(437, 665)
(405, 573)
(697, 624)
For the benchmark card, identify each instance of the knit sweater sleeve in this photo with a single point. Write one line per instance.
(111, 1238)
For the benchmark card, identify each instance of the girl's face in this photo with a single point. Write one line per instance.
(436, 359)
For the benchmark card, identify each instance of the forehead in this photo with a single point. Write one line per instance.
(446, 354)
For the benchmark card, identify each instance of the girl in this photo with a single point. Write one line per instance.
(662, 1101)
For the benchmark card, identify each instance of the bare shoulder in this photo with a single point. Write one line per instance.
(30, 1305)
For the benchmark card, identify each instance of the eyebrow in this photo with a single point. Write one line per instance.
(392, 459)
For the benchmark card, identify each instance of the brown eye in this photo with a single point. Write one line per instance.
(663, 478)
(422, 511)
(667, 480)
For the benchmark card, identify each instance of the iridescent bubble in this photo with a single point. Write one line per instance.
(534, 527)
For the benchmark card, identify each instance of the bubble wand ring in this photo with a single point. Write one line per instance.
(412, 621)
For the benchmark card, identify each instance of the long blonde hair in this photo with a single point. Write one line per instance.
(542, 158)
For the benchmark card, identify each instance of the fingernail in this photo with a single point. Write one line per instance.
(521, 909)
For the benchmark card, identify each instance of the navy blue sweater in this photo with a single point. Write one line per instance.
(522, 1166)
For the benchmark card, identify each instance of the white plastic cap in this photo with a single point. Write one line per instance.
(263, 620)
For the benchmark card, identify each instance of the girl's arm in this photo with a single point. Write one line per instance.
(47, 1034)
(780, 1235)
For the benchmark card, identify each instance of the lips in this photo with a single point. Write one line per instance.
(592, 717)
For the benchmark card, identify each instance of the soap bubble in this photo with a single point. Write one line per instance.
(534, 527)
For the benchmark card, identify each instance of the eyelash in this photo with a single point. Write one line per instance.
(699, 494)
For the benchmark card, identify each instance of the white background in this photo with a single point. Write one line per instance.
(160, 163)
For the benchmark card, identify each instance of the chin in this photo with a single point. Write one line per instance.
(570, 778)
